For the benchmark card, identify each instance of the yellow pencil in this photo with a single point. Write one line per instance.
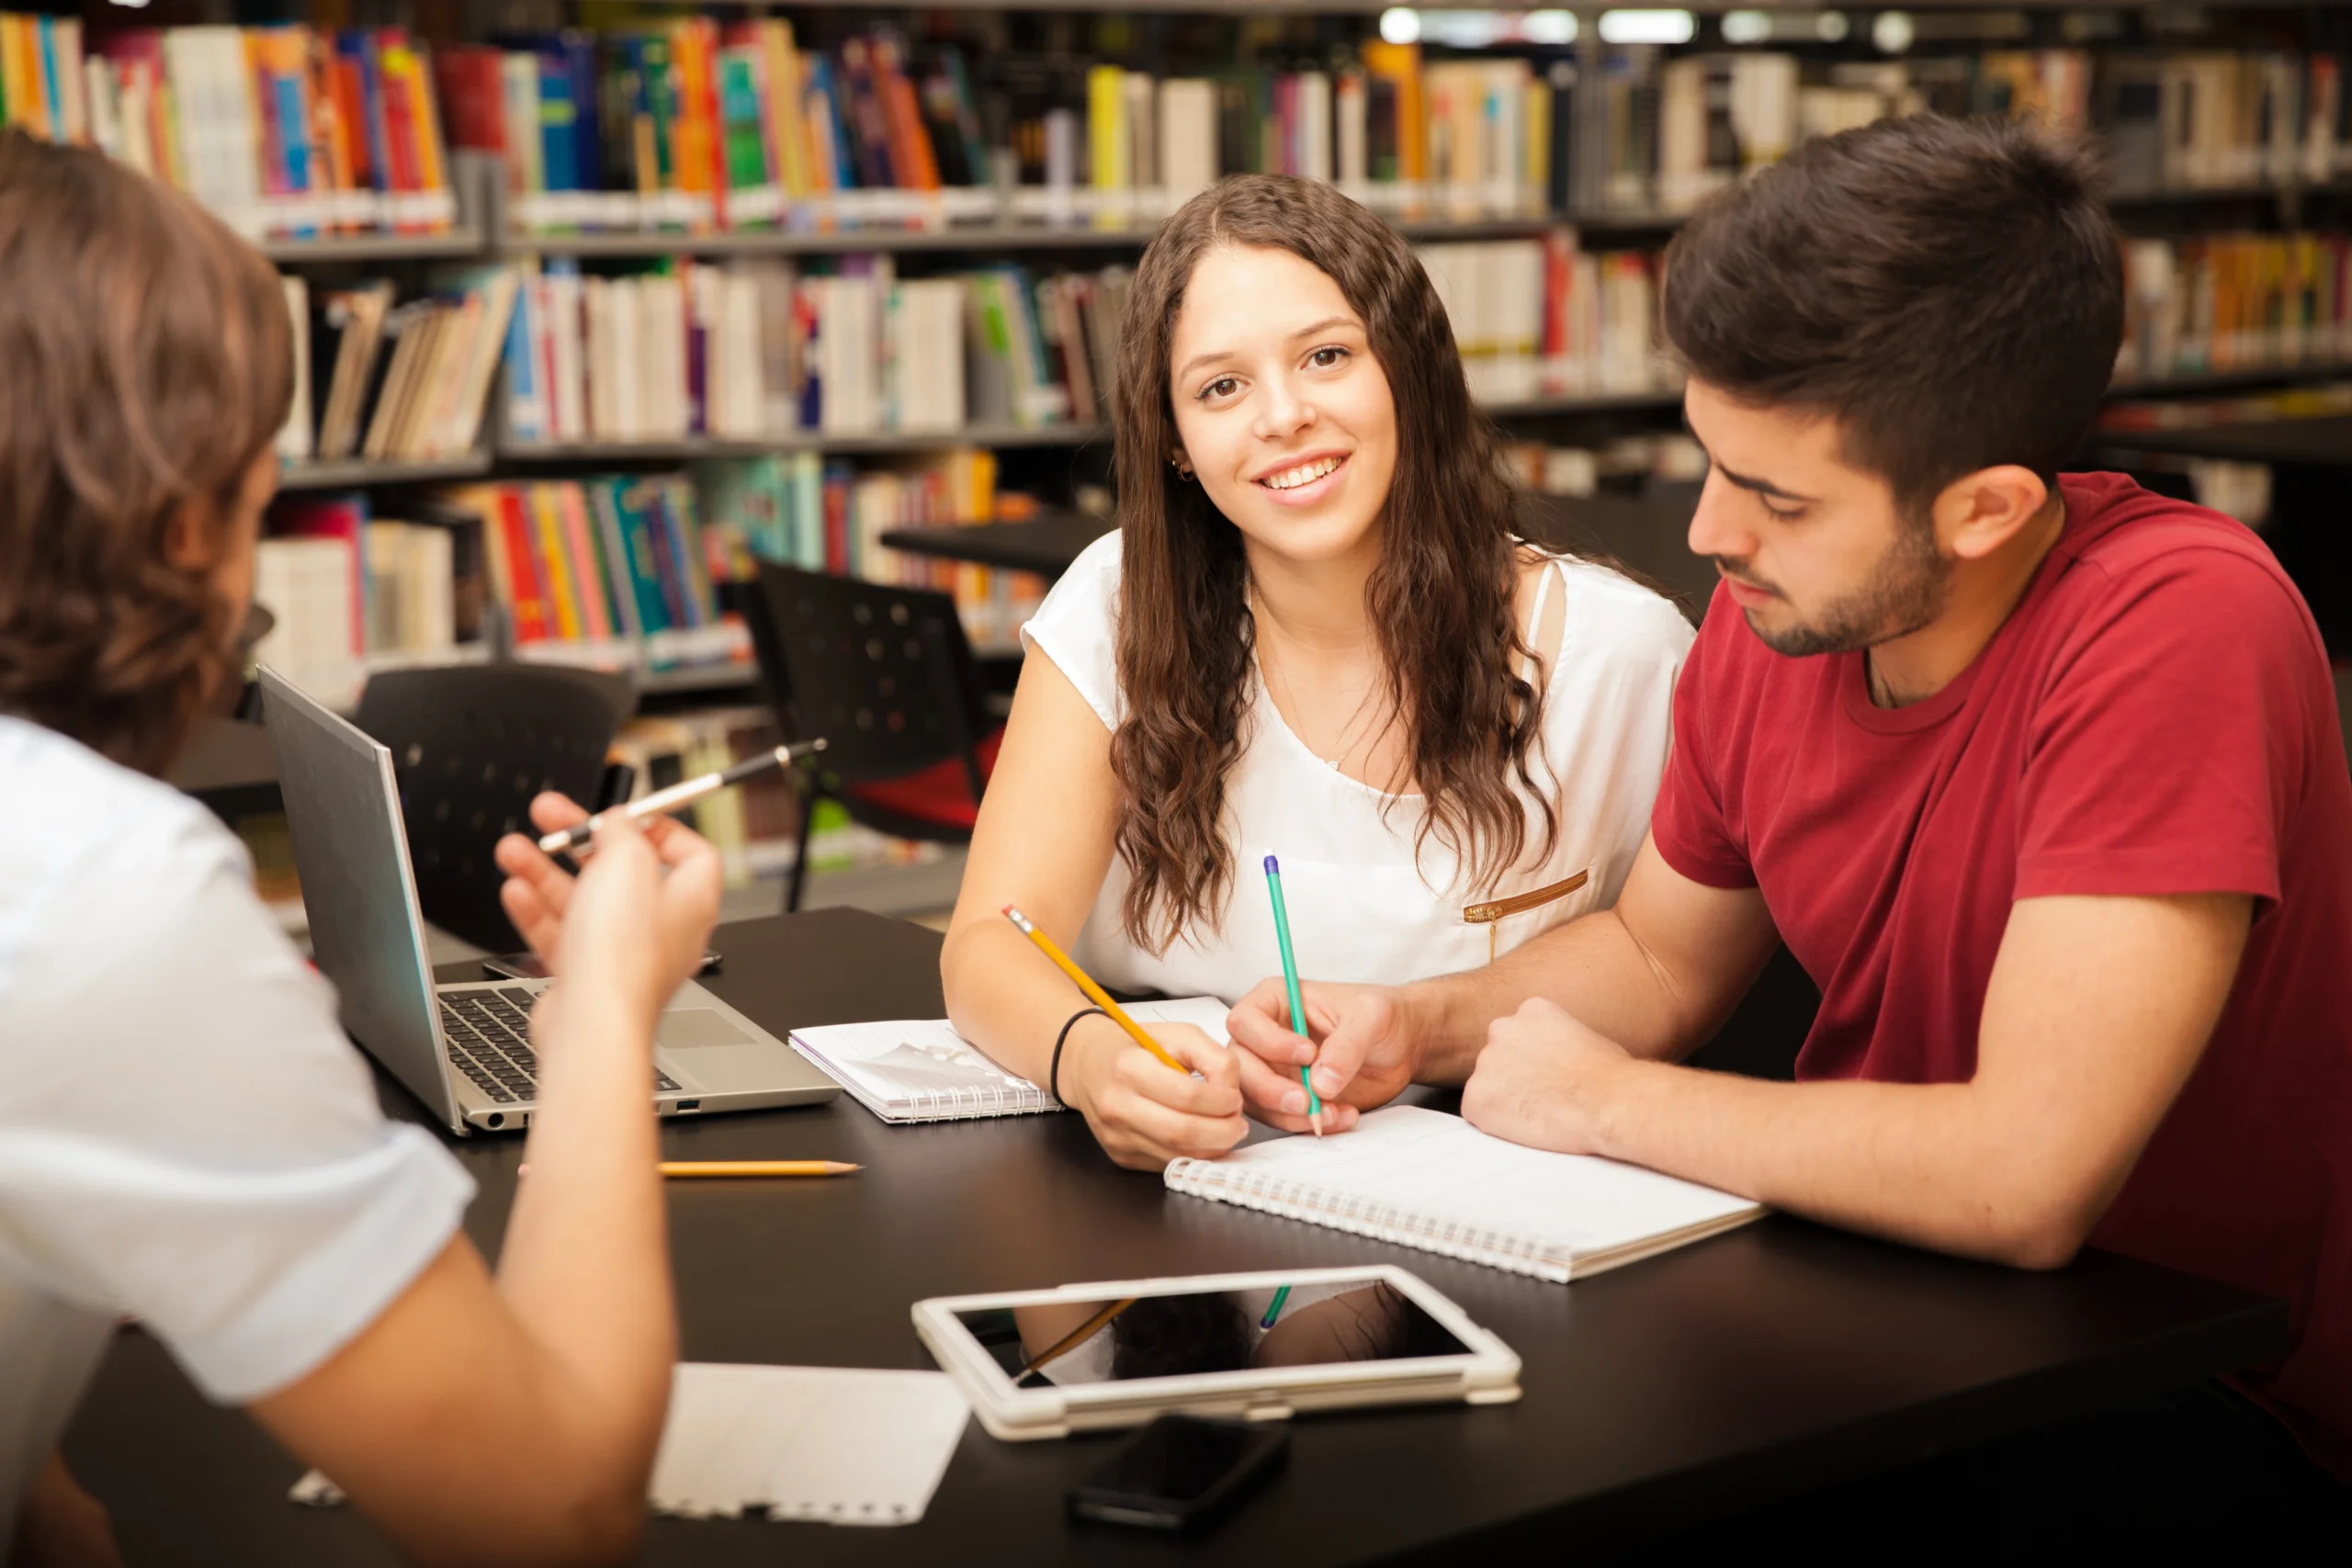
(746, 1168)
(758, 1167)
(1094, 993)
(1078, 1335)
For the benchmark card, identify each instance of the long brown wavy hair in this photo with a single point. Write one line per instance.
(145, 366)
(1441, 598)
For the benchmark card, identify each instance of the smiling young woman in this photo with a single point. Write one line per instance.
(1314, 635)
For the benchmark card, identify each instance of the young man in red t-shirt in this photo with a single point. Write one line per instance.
(2043, 781)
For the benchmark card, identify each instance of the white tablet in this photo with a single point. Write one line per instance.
(1261, 1347)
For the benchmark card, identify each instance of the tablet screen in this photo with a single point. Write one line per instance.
(1067, 1343)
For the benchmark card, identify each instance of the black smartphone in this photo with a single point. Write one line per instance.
(525, 965)
(1181, 1473)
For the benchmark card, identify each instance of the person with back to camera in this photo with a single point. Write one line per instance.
(1314, 635)
(2040, 777)
(186, 1135)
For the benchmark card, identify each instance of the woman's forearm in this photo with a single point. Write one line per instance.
(585, 1265)
(1005, 997)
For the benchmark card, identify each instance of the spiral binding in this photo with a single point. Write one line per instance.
(1013, 1097)
(1300, 1200)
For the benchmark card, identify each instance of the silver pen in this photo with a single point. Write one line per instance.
(685, 792)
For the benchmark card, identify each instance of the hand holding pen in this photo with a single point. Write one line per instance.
(1151, 1098)
(1290, 989)
(678, 797)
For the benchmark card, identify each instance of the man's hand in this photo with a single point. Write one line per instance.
(1362, 1045)
(623, 917)
(1542, 1079)
(1143, 1112)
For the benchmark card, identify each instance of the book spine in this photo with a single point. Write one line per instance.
(524, 574)
(644, 568)
(619, 585)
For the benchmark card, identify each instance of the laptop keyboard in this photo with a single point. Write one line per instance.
(489, 1041)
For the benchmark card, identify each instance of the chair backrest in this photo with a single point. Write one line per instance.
(470, 747)
(884, 674)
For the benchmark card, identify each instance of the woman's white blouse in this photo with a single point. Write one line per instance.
(1361, 910)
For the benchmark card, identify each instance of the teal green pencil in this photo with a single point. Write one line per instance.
(1274, 1308)
(1290, 984)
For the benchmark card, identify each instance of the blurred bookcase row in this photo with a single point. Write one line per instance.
(596, 303)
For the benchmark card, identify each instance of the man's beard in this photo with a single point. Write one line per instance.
(1905, 593)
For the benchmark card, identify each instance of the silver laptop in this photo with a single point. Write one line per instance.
(465, 1050)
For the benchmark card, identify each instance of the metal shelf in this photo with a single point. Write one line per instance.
(997, 435)
(358, 472)
(456, 243)
(2225, 380)
(696, 678)
(957, 237)
(1042, 237)
(754, 242)
(1594, 403)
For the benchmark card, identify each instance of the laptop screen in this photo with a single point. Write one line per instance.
(343, 810)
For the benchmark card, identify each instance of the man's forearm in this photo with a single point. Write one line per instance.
(1919, 1163)
(1592, 968)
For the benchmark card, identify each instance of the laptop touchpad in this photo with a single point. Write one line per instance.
(684, 1029)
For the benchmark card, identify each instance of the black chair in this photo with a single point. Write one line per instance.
(886, 675)
(470, 747)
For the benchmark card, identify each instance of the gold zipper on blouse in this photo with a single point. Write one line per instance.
(1519, 903)
(1486, 914)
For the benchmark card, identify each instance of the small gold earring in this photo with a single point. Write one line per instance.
(1183, 470)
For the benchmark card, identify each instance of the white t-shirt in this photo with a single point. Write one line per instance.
(186, 1135)
(1361, 908)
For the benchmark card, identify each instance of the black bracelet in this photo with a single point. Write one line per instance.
(1053, 1073)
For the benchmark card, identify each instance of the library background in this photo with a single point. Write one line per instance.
(600, 306)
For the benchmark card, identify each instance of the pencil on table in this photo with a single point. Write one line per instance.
(745, 1167)
(758, 1167)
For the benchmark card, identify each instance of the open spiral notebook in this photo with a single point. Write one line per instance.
(922, 1070)
(1422, 1178)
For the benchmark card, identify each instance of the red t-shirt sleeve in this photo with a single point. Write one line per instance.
(2165, 756)
(1688, 823)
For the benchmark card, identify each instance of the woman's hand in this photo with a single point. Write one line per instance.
(61, 1526)
(1143, 1112)
(637, 917)
(1361, 1043)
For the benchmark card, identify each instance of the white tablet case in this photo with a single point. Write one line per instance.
(1487, 1375)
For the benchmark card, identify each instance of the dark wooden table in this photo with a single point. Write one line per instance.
(2322, 442)
(1644, 533)
(1777, 1359)
(1046, 544)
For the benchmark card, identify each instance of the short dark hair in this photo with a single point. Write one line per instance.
(1950, 292)
(145, 366)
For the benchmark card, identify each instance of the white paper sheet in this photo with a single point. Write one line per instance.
(836, 1445)
(843, 1445)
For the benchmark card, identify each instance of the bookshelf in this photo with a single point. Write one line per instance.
(1017, 210)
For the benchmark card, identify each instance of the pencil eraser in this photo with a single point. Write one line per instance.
(1272, 869)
